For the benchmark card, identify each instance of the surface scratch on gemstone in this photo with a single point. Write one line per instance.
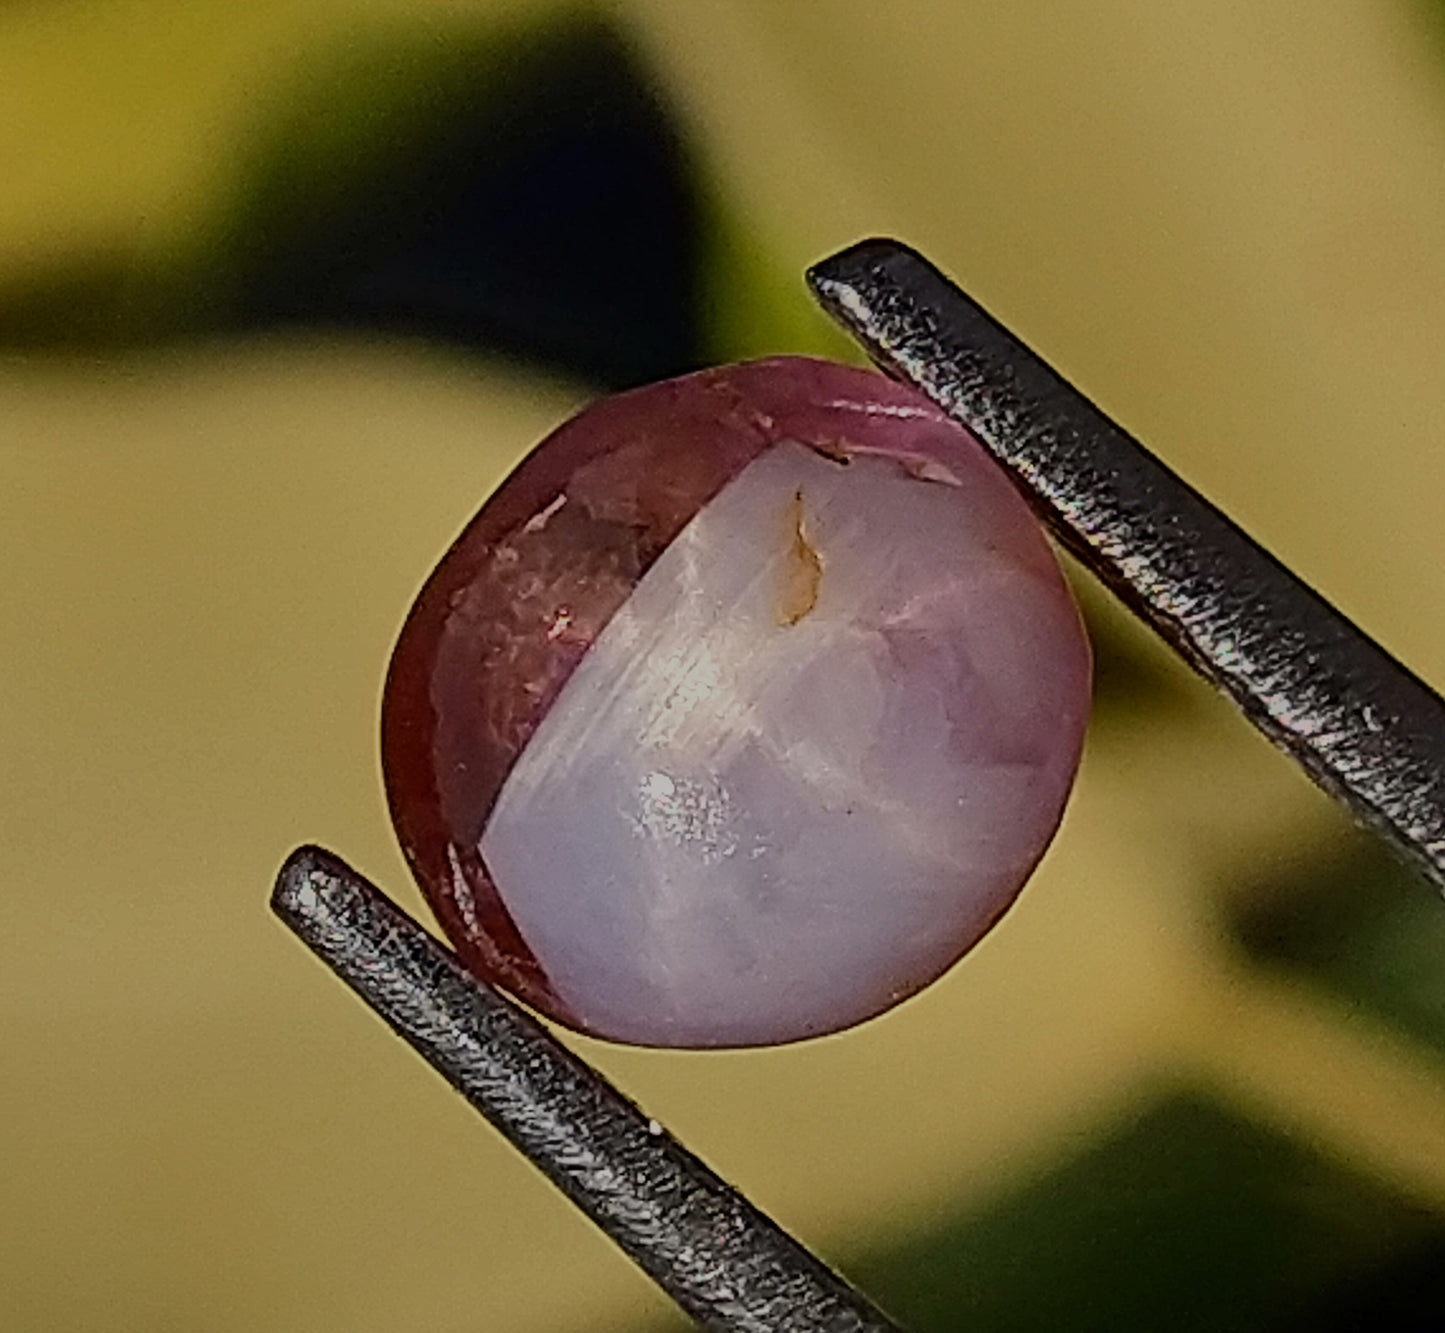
(539, 521)
(833, 451)
(802, 571)
(929, 469)
(462, 891)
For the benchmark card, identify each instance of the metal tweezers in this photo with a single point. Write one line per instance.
(1363, 727)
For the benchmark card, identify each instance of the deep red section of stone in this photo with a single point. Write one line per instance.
(535, 576)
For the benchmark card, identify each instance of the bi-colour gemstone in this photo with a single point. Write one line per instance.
(740, 712)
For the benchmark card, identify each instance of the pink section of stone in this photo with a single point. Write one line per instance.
(778, 825)
(532, 581)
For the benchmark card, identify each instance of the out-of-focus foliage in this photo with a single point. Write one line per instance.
(524, 190)
(1185, 1217)
(521, 190)
(1362, 926)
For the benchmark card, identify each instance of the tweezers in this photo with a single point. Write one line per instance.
(1360, 724)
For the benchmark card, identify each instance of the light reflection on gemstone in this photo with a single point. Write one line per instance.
(690, 815)
(461, 890)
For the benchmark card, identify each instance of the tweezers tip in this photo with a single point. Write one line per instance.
(843, 269)
(295, 898)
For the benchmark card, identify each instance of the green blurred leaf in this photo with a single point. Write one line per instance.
(1184, 1217)
(1359, 924)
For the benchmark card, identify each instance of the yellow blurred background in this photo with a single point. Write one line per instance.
(1225, 222)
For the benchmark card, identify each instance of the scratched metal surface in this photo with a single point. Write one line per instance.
(1363, 726)
(727, 1265)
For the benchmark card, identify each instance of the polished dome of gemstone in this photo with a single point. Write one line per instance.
(739, 713)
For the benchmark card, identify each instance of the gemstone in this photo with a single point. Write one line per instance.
(740, 712)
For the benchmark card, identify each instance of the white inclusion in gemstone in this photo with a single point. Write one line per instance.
(804, 766)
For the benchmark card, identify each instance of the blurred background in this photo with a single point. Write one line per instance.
(286, 287)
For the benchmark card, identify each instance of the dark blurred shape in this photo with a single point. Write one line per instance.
(1359, 924)
(1405, 1295)
(522, 191)
(95, 300)
(1186, 1217)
